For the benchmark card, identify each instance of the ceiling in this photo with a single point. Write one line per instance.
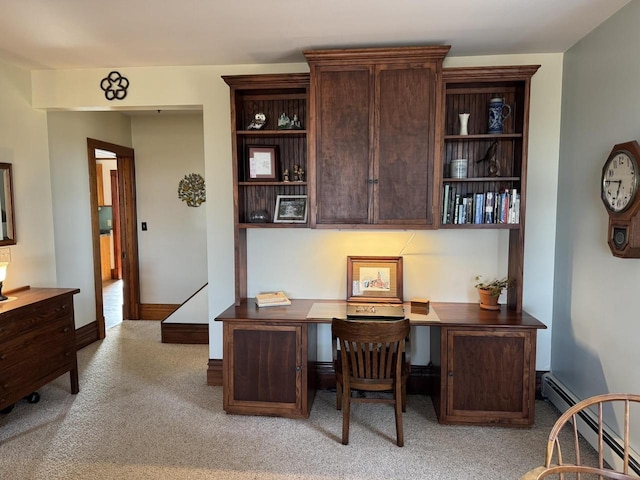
(54, 34)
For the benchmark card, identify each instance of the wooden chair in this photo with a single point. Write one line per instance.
(371, 356)
(555, 466)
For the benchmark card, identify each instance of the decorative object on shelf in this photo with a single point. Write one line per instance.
(420, 306)
(285, 175)
(3, 277)
(286, 123)
(619, 192)
(259, 121)
(464, 122)
(459, 168)
(489, 292)
(259, 216)
(262, 163)
(498, 113)
(493, 167)
(191, 190)
(374, 279)
(114, 86)
(298, 174)
(291, 209)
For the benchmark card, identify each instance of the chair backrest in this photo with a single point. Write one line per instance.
(591, 408)
(371, 349)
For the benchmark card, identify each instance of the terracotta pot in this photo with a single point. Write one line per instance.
(487, 300)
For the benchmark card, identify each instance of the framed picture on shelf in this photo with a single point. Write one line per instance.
(291, 209)
(262, 163)
(374, 279)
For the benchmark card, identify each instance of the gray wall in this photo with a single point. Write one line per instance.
(597, 298)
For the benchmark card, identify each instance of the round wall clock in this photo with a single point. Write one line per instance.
(619, 187)
(620, 177)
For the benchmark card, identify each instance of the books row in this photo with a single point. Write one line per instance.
(480, 208)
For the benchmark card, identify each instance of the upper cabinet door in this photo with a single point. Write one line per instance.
(343, 130)
(405, 148)
(373, 135)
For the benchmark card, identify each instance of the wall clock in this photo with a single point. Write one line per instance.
(619, 190)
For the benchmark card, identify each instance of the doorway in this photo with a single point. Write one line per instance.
(114, 233)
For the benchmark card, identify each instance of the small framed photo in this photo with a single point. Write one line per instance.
(374, 279)
(262, 163)
(291, 209)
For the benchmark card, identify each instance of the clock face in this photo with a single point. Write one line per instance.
(619, 181)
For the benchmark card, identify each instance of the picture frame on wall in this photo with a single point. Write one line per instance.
(291, 209)
(374, 279)
(262, 163)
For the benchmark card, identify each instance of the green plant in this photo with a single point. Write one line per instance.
(495, 287)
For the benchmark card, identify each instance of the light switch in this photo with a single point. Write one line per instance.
(144, 226)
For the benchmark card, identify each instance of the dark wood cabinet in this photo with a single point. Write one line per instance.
(485, 366)
(37, 342)
(372, 144)
(266, 359)
(492, 195)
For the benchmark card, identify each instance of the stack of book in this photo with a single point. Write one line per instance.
(480, 208)
(272, 299)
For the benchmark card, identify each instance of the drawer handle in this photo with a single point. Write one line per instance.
(3, 356)
(67, 354)
(66, 329)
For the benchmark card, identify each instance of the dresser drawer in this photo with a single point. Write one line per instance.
(38, 368)
(30, 317)
(53, 334)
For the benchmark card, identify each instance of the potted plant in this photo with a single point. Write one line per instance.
(490, 292)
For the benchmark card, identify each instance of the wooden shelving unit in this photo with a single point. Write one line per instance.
(469, 90)
(272, 95)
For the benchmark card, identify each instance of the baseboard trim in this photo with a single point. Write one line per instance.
(191, 333)
(420, 377)
(214, 372)
(86, 335)
(156, 311)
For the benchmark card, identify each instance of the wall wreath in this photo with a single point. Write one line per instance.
(191, 190)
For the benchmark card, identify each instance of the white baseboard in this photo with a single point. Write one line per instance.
(562, 398)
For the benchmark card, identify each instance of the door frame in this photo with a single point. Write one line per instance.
(128, 230)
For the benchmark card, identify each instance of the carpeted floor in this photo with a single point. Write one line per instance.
(144, 411)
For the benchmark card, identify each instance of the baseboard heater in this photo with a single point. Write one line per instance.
(563, 399)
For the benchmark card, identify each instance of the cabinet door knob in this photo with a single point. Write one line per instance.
(451, 373)
(298, 368)
(66, 329)
(3, 356)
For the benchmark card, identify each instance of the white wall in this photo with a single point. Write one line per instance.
(23, 143)
(291, 260)
(68, 133)
(596, 320)
(173, 251)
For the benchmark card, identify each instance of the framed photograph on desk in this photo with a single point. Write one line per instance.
(374, 279)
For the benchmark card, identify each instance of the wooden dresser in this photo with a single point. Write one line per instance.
(37, 341)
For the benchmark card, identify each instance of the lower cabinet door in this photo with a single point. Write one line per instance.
(490, 376)
(263, 374)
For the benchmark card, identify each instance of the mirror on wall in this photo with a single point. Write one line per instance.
(8, 229)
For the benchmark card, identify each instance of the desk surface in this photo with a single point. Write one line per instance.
(448, 314)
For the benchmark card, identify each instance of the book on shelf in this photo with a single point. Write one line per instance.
(272, 299)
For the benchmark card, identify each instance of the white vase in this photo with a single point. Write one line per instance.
(464, 122)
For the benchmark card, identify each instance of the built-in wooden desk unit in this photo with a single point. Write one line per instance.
(484, 360)
(37, 341)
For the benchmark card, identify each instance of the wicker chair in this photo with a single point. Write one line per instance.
(556, 467)
(371, 356)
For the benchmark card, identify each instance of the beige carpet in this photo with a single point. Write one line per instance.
(144, 411)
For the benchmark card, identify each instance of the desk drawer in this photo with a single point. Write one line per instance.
(30, 317)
